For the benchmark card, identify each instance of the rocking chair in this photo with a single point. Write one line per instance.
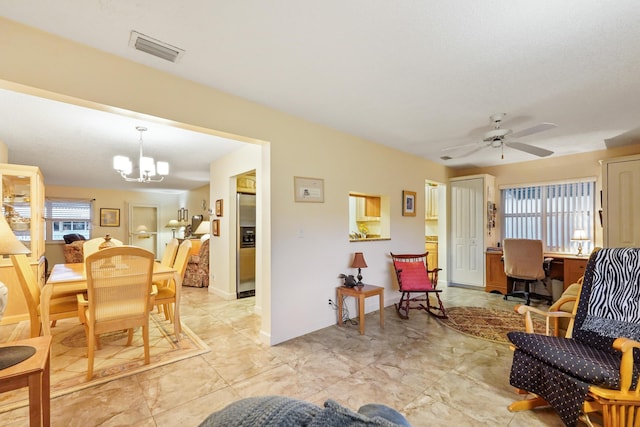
(414, 277)
(595, 369)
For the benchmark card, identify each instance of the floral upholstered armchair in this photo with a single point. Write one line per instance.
(73, 248)
(197, 274)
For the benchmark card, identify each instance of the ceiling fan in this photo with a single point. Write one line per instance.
(497, 138)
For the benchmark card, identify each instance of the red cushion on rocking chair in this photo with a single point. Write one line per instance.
(413, 276)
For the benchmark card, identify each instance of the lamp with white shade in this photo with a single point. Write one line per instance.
(203, 228)
(580, 236)
(10, 245)
(174, 224)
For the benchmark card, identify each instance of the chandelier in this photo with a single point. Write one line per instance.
(148, 168)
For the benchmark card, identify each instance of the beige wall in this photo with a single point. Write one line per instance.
(167, 205)
(307, 244)
(554, 169)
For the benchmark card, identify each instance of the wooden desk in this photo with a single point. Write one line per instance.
(360, 292)
(568, 268)
(32, 373)
(70, 279)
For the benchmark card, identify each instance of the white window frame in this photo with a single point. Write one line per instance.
(550, 219)
(77, 212)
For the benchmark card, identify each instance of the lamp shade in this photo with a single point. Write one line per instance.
(9, 243)
(358, 261)
(203, 228)
(174, 223)
(579, 234)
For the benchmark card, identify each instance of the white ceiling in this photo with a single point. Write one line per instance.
(417, 75)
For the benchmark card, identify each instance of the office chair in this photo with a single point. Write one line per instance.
(524, 261)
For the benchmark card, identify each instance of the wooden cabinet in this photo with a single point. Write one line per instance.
(574, 269)
(496, 280)
(432, 256)
(367, 208)
(247, 264)
(246, 183)
(23, 205)
(372, 207)
(22, 190)
(431, 202)
(621, 202)
(566, 268)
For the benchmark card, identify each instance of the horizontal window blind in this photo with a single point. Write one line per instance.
(64, 217)
(67, 210)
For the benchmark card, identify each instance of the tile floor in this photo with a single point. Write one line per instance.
(432, 374)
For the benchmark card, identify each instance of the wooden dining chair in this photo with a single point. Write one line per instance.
(61, 307)
(119, 289)
(166, 296)
(168, 258)
(92, 246)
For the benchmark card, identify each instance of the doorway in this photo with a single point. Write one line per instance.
(143, 227)
(246, 235)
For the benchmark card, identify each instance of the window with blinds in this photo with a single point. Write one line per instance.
(66, 217)
(551, 213)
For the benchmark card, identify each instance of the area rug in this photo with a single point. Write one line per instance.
(114, 360)
(487, 323)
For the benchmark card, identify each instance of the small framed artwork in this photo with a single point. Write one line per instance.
(109, 217)
(308, 189)
(215, 227)
(219, 207)
(408, 203)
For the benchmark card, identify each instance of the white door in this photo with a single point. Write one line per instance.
(467, 235)
(622, 204)
(143, 227)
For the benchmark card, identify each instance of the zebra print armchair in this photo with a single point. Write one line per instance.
(597, 369)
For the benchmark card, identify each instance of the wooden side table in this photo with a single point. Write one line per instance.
(361, 292)
(34, 373)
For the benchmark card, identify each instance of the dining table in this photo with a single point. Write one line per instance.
(71, 279)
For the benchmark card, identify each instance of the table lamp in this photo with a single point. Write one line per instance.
(203, 228)
(174, 224)
(142, 232)
(10, 245)
(579, 235)
(359, 263)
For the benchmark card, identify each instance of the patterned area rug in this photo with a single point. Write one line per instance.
(114, 360)
(487, 323)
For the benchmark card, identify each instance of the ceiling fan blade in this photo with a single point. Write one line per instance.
(459, 147)
(536, 151)
(534, 129)
(463, 154)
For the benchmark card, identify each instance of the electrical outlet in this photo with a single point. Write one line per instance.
(330, 301)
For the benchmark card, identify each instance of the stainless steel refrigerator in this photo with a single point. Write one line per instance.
(246, 246)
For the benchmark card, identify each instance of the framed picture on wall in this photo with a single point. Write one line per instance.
(308, 189)
(215, 227)
(109, 217)
(408, 203)
(219, 207)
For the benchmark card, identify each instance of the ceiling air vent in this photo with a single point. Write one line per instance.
(155, 47)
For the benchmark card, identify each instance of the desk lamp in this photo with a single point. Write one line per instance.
(579, 235)
(10, 245)
(359, 263)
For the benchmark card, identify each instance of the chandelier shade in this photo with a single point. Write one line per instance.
(148, 168)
